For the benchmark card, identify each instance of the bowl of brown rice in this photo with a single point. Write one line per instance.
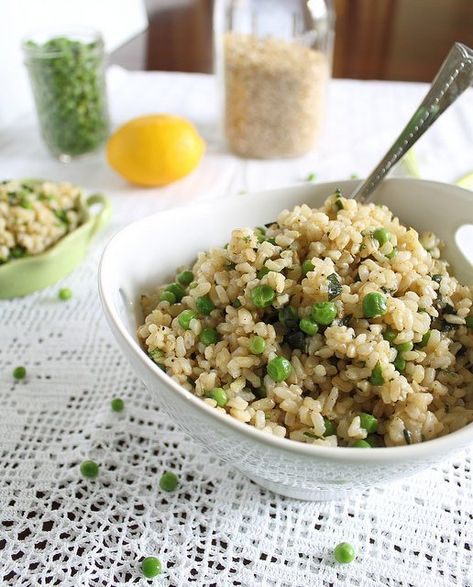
(317, 344)
(45, 231)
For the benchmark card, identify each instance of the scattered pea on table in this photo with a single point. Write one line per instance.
(117, 404)
(19, 372)
(151, 567)
(344, 553)
(65, 294)
(169, 481)
(89, 469)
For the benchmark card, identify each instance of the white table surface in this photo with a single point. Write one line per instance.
(219, 528)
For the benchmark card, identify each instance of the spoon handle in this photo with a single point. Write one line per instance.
(452, 79)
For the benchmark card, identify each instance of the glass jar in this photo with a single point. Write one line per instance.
(67, 76)
(273, 60)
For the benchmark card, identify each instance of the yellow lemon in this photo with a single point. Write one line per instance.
(155, 150)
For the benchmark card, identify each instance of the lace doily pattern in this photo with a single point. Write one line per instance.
(218, 528)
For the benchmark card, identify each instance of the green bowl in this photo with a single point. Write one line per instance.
(21, 277)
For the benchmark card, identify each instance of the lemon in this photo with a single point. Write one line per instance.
(155, 150)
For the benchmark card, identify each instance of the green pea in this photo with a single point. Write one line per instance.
(399, 363)
(262, 296)
(288, 317)
(208, 336)
(389, 334)
(404, 347)
(204, 305)
(236, 304)
(376, 377)
(329, 427)
(307, 266)
(308, 326)
(177, 290)
(65, 294)
(392, 254)
(469, 321)
(19, 372)
(89, 469)
(344, 553)
(279, 369)
(117, 404)
(185, 277)
(151, 567)
(185, 318)
(324, 313)
(257, 345)
(368, 422)
(374, 304)
(167, 296)
(361, 444)
(382, 236)
(168, 481)
(219, 395)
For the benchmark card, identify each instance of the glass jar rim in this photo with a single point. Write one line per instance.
(84, 34)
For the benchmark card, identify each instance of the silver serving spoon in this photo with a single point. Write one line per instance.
(452, 79)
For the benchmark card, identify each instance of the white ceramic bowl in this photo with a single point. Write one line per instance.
(147, 253)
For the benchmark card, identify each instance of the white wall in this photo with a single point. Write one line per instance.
(118, 20)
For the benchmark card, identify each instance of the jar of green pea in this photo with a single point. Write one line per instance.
(67, 77)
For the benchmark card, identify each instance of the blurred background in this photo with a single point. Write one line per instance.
(374, 39)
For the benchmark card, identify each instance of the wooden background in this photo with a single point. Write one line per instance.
(375, 39)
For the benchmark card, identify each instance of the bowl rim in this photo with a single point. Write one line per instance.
(415, 451)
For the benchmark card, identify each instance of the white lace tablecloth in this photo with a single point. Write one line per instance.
(218, 528)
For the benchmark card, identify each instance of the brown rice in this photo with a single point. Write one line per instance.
(427, 392)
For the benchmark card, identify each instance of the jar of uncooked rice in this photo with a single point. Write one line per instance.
(273, 61)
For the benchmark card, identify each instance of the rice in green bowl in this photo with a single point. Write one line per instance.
(34, 215)
(335, 326)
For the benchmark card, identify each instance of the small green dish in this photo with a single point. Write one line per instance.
(21, 277)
